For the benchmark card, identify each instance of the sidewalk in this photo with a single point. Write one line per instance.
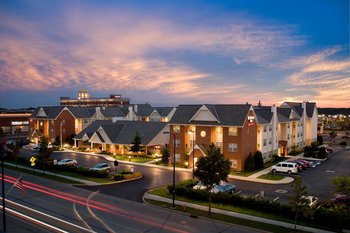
(234, 214)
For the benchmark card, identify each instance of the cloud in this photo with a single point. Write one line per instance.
(328, 79)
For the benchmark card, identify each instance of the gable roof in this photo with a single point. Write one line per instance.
(263, 114)
(283, 114)
(164, 111)
(51, 112)
(310, 107)
(229, 114)
(90, 130)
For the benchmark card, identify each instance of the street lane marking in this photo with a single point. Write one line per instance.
(281, 191)
(330, 171)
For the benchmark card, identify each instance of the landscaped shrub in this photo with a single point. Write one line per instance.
(322, 154)
(249, 164)
(258, 160)
(126, 175)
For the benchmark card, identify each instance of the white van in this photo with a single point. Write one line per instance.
(285, 167)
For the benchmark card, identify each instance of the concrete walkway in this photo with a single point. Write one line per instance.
(234, 214)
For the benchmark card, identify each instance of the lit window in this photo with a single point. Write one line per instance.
(177, 142)
(176, 129)
(234, 163)
(177, 157)
(232, 147)
(232, 131)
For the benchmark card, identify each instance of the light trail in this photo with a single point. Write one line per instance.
(94, 204)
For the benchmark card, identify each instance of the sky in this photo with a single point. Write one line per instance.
(175, 52)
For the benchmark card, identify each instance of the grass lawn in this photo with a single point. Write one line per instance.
(270, 176)
(139, 159)
(163, 192)
(195, 213)
(41, 174)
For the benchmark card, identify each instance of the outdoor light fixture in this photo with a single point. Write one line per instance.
(174, 138)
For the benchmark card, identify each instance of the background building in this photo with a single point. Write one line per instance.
(85, 100)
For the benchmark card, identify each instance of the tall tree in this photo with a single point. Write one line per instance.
(165, 155)
(136, 143)
(298, 202)
(258, 160)
(211, 169)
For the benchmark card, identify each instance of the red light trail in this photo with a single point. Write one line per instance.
(91, 203)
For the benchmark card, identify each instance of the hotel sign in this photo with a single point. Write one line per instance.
(251, 120)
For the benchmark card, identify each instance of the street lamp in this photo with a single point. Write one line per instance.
(174, 138)
(192, 153)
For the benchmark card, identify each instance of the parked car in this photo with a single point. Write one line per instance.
(37, 147)
(223, 187)
(67, 162)
(342, 198)
(307, 163)
(287, 167)
(301, 165)
(101, 167)
(328, 149)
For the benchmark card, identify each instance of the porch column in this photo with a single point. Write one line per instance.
(75, 143)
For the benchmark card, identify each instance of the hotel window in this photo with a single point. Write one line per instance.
(288, 125)
(264, 143)
(219, 144)
(270, 128)
(234, 163)
(177, 142)
(258, 145)
(176, 129)
(298, 134)
(270, 141)
(265, 128)
(177, 157)
(232, 147)
(288, 137)
(232, 131)
(86, 121)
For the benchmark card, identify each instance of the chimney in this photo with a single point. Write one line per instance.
(259, 104)
(246, 103)
(273, 108)
(135, 108)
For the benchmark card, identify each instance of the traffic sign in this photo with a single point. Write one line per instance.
(32, 164)
(32, 159)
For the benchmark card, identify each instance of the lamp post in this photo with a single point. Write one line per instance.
(192, 153)
(61, 134)
(174, 138)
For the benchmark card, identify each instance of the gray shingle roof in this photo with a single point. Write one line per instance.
(51, 112)
(310, 107)
(112, 112)
(263, 114)
(283, 114)
(164, 111)
(230, 114)
(89, 131)
(81, 112)
(143, 109)
(146, 130)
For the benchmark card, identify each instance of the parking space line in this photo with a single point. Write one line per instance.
(276, 199)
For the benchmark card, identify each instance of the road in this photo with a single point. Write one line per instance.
(103, 213)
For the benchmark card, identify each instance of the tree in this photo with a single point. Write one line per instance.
(320, 139)
(249, 164)
(211, 169)
(165, 155)
(258, 160)
(136, 147)
(342, 184)
(298, 202)
(322, 154)
(44, 152)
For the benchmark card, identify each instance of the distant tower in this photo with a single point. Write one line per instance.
(83, 94)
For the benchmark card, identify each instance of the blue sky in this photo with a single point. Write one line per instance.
(175, 52)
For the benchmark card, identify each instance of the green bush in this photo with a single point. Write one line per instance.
(249, 164)
(322, 154)
(258, 160)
